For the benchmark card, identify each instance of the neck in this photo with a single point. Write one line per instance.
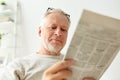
(46, 52)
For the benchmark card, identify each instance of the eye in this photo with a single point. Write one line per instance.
(53, 27)
(64, 30)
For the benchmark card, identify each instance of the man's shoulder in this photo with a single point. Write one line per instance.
(21, 61)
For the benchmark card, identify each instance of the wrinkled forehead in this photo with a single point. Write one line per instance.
(56, 18)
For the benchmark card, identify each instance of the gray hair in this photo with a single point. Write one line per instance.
(52, 10)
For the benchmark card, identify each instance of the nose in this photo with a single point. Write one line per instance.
(58, 32)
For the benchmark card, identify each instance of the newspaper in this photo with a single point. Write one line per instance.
(94, 45)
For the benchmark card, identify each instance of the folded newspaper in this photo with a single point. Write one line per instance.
(94, 45)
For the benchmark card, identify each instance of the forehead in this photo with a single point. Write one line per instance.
(57, 18)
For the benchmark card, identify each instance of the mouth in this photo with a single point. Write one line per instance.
(57, 40)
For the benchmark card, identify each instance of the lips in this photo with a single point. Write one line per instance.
(57, 40)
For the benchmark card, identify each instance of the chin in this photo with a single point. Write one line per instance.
(55, 49)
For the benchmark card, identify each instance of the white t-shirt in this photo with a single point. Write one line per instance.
(29, 68)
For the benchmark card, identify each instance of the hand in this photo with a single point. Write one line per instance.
(58, 71)
(89, 78)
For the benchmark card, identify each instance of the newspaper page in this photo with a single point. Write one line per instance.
(94, 45)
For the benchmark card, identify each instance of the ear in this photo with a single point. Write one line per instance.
(39, 32)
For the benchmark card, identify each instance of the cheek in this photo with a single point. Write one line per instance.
(47, 35)
(65, 38)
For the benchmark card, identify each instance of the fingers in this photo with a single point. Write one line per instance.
(60, 66)
(63, 74)
(58, 71)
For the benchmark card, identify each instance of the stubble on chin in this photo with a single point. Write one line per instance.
(52, 48)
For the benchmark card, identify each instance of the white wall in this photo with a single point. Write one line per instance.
(32, 10)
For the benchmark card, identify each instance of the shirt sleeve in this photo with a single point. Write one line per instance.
(13, 71)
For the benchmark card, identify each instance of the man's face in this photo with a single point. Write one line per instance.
(54, 32)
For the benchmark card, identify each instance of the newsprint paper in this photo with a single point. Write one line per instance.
(94, 45)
